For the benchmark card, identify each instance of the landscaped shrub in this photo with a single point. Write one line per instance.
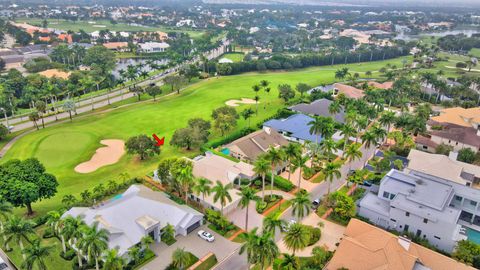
(219, 223)
(315, 234)
(48, 233)
(39, 221)
(229, 138)
(308, 173)
(69, 255)
(261, 206)
(280, 183)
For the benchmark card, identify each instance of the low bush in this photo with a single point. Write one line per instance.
(280, 182)
(69, 255)
(315, 234)
(48, 233)
(229, 138)
(39, 221)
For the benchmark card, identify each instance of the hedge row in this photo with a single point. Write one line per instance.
(280, 182)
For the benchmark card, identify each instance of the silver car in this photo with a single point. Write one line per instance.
(206, 236)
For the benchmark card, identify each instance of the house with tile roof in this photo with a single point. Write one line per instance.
(216, 168)
(295, 128)
(437, 209)
(249, 147)
(136, 213)
(384, 85)
(364, 246)
(348, 91)
(319, 107)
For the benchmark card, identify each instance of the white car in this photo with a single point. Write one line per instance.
(206, 236)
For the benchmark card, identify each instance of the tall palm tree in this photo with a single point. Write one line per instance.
(261, 167)
(271, 224)
(301, 205)
(314, 150)
(222, 193)
(353, 153)
(247, 195)
(347, 131)
(369, 138)
(184, 176)
(331, 170)
(328, 147)
(53, 219)
(275, 157)
(36, 254)
(17, 229)
(299, 163)
(5, 211)
(296, 237)
(113, 261)
(146, 241)
(72, 232)
(387, 119)
(250, 246)
(316, 126)
(181, 258)
(289, 262)
(202, 187)
(379, 132)
(291, 150)
(69, 200)
(94, 242)
(267, 249)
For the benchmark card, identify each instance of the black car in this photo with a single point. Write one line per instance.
(315, 204)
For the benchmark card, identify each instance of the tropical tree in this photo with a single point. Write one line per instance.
(222, 193)
(250, 245)
(113, 261)
(53, 219)
(247, 195)
(184, 176)
(41, 108)
(202, 187)
(72, 232)
(261, 167)
(271, 224)
(331, 170)
(267, 250)
(17, 229)
(352, 153)
(275, 157)
(69, 106)
(289, 262)
(181, 258)
(296, 237)
(292, 151)
(94, 242)
(347, 131)
(146, 241)
(379, 132)
(369, 138)
(34, 117)
(36, 254)
(301, 205)
(247, 114)
(5, 210)
(299, 163)
(387, 118)
(328, 147)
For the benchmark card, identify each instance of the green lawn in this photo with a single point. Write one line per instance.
(475, 52)
(235, 57)
(98, 25)
(61, 147)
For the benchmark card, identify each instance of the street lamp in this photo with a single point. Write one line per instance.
(6, 118)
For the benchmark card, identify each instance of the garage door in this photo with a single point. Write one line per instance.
(193, 227)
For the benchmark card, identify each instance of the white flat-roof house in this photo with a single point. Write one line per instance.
(216, 168)
(136, 213)
(437, 209)
(153, 47)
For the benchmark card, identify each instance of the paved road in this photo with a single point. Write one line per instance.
(236, 261)
(21, 123)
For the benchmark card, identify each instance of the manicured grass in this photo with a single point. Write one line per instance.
(475, 52)
(235, 57)
(61, 147)
(98, 25)
(279, 210)
(208, 263)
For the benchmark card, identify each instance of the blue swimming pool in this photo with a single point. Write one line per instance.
(473, 235)
(225, 151)
(117, 197)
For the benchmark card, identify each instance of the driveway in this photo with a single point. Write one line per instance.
(192, 243)
(331, 235)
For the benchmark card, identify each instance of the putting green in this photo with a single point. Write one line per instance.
(61, 147)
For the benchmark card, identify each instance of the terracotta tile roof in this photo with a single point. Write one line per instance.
(115, 45)
(385, 85)
(466, 135)
(65, 37)
(459, 116)
(425, 141)
(365, 246)
(349, 91)
(257, 143)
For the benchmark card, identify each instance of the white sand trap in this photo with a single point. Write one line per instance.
(104, 156)
(99, 25)
(236, 102)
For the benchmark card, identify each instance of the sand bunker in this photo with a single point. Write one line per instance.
(236, 102)
(103, 156)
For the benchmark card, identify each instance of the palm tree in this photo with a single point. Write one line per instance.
(301, 205)
(331, 170)
(316, 126)
(69, 200)
(247, 114)
(289, 262)
(53, 219)
(35, 256)
(347, 131)
(181, 258)
(352, 153)
(17, 229)
(328, 147)
(247, 194)
(271, 224)
(267, 249)
(261, 167)
(334, 107)
(34, 117)
(222, 193)
(94, 242)
(113, 261)
(146, 241)
(202, 187)
(291, 150)
(299, 163)
(250, 245)
(184, 176)
(72, 232)
(275, 157)
(134, 254)
(41, 110)
(379, 132)
(369, 138)
(296, 237)
(5, 211)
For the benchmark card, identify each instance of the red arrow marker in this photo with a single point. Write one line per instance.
(160, 142)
